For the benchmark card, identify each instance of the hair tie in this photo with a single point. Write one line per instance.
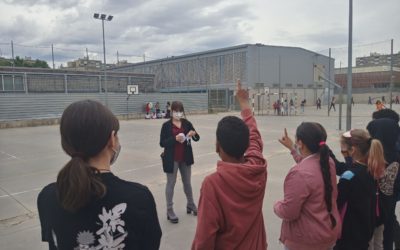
(370, 141)
(322, 143)
(78, 155)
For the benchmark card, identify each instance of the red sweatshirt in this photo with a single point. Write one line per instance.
(230, 207)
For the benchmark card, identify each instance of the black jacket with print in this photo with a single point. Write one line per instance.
(125, 217)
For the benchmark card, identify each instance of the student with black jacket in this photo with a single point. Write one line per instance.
(358, 191)
(176, 136)
(89, 207)
(386, 130)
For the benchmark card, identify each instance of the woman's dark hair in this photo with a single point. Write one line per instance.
(233, 136)
(178, 106)
(313, 135)
(386, 113)
(85, 127)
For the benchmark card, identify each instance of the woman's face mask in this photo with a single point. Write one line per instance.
(177, 115)
(115, 155)
(296, 147)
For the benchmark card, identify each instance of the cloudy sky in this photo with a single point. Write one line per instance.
(161, 28)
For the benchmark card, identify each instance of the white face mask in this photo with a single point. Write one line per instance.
(115, 155)
(177, 115)
(296, 147)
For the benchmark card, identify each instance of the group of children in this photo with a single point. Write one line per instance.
(283, 107)
(155, 112)
(90, 208)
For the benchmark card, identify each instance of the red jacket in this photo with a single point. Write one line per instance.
(231, 199)
(306, 223)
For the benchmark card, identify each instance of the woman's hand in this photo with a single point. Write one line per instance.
(286, 141)
(180, 138)
(191, 133)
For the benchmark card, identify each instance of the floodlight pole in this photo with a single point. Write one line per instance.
(103, 17)
(391, 73)
(349, 67)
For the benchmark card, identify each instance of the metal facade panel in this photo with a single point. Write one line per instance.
(37, 106)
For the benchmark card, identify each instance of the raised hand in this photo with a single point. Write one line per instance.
(286, 141)
(242, 96)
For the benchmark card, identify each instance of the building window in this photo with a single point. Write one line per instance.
(381, 85)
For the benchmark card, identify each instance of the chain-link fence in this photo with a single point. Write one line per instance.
(375, 69)
(67, 82)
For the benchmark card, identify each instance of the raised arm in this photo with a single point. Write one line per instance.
(341, 167)
(288, 143)
(253, 153)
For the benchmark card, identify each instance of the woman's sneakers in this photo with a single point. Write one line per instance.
(191, 209)
(171, 216)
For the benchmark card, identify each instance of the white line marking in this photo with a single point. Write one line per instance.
(10, 156)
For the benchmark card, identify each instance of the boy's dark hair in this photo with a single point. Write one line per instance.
(233, 136)
(85, 128)
(386, 113)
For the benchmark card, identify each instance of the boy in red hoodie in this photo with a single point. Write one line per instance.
(231, 199)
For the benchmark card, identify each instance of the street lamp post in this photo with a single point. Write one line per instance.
(349, 67)
(104, 17)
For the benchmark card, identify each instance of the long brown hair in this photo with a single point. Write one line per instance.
(371, 149)
(85, 128)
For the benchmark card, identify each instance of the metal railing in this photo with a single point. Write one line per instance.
(33, 82)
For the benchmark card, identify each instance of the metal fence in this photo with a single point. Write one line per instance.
(43, 82)
(39, 106)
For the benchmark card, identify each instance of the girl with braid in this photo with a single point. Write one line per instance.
(310, 218)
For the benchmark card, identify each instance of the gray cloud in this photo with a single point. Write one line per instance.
(165, 28)
(53, 3)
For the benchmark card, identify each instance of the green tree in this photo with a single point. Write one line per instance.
(19, 62)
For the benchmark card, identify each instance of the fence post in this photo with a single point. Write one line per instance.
(2, 82)
(25, 83)
(99, 83)
(65, 84)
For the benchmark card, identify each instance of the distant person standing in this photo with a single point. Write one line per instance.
(303, 103)
(333, 101)
(291, 106)
(369, 100)
(352, 101)
(379, 105)
(397, 101)
(176, 136)
(383, 99)
(282, 107)
(168, 110)
(286, 106)
(318, 103)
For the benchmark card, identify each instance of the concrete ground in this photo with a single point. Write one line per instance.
(30, 158)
